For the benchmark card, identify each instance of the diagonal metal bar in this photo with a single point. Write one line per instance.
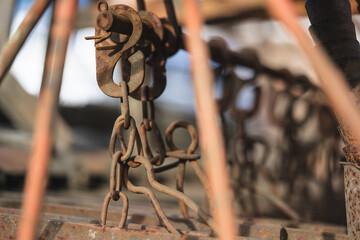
(63, 16)
(16, 41)
(211, 140)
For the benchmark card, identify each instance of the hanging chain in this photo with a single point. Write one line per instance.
(139, 39)
(149, 43)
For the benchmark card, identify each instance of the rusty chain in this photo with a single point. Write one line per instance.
(249, 153)
(139, 39)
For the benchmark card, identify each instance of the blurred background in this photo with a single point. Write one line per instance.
(283, 156)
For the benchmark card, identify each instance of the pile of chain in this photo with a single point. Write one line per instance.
(135, 39)
(290, 104)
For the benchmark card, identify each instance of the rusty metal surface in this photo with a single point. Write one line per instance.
(14, 44)
(60, 220)
(76, 229)
(138, 216)
(352, 199)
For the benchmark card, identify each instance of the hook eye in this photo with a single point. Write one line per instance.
(102, 6)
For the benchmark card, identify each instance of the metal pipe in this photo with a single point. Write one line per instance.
(211, 139)
(16, 41)
(110, 22)
(36, 177)
(335, 30)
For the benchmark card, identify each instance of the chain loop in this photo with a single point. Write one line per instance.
(117, 133)
(191, 130)
(115, 176)
(124, 212)
(124, 103)
(147, 107)
(158, 159)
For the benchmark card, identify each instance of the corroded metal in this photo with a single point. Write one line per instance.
(108, 52)
(72, 222)
(352, 199)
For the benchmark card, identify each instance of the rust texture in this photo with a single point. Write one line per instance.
(63, 16)
(16, 41)
(84, 225)
(334, 29)
(352, 199)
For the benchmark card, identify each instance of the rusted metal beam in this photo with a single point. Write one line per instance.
(74, 212)
(16, 41)
(63, 16)
(211, 139)
(139, 215)
(59, 221)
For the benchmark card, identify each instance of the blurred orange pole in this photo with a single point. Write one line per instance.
(211, 139)
(12, 47)
(333, 82)
(36, 177)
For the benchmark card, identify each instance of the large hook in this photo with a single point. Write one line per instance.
(108, 51)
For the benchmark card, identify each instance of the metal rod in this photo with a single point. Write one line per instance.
(171, 14)
(211, 139)
(36, 176)
(16, 41)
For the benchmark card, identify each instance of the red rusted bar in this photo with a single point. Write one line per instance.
(16, 41)
(211, 139)
(64, 12)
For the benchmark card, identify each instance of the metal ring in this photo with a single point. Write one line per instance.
(115, 176)
(124, 213)
(125, 104)
(191, 130)
(159, 158)
(102, 3)
(159, 82)
(242, 114)
(118, 126)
